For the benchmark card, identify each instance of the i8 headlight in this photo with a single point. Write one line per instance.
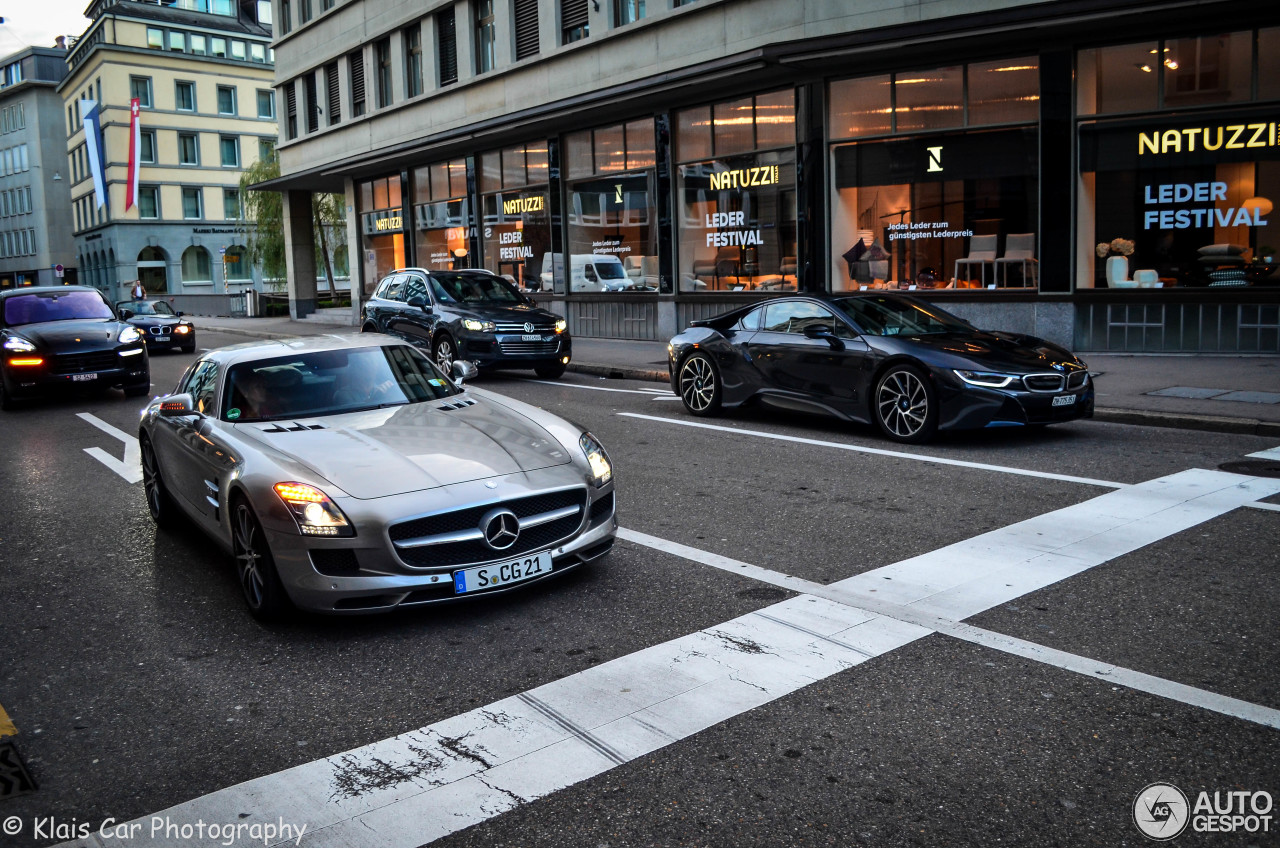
(478, 326)
(311, 508)
(18, 345)
(601, 468)
(129, 335)
(986, 379)
(561, 325)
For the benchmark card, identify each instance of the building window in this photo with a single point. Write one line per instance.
(310, 101)
(326, 5)
(517, 231)
(140, 90)
(226, 100)
(218, 48)
(382, 226)
(185, 96)
(177, 42)
(286, 16)
(441, 215)
(447, 47)
(334, 93)
(238, 50)
(526, 23)
(192, 203)
(229, 148)
(413, 60)
(266, 104)
(148, 202)
(486, 36)
(574, 21)
(257, 53)
(356, 62)
(155, 38)
(197, 266)
(147, 147)
(627, 11)
(198, 45)
(266, 149)
(188, 149)
(231, 204)
(382, 72)
(264, 13)
(291, 110)
(235, 264)
(304, 11)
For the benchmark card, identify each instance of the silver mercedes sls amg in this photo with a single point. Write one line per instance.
(348, 474)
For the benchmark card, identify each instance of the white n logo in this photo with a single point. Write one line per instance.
(617, 196)
(935, 159)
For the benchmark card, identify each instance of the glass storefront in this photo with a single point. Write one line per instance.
(381, 229)
(1167, 200)
(611, 214)
(944, 190)
(514, 198)
(441, 215)
(736, 195)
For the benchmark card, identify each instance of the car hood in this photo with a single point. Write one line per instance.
(505, 314)
(156, 320)
(409, 448)
(70, 336)
(995, 350)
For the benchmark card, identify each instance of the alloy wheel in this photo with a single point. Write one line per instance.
(903, 404)
(697, 384)
(151, 480)
(248, 556)
(444, 355)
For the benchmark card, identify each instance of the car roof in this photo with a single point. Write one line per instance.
(45, 290)
(273, 348)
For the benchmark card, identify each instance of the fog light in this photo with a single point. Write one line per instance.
(564, 360)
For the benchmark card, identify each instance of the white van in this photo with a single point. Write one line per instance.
(588, 272)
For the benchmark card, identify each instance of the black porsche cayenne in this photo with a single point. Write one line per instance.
(906, 365)
(66, 338)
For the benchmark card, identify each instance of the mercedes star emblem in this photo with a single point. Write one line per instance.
(501, 529)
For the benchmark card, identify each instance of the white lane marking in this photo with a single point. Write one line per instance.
(414, 788)
(131, 467)
(657, 391)
(665, 397)
(1268, 506)
(1269, 453)
(960, 463)
(588, 388)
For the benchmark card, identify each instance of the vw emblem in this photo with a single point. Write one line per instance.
(501, 529)
(528, 327)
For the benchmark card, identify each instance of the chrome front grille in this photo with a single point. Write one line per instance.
(511, 327)
(1077, 380)
(1045, 382)
(456, 537)
(548, 348)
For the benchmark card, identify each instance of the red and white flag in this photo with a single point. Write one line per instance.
(135, 154)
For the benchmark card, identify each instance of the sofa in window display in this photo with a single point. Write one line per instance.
(1224, 265)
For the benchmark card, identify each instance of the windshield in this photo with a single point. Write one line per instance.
(475, 288)
(54, 306)
(144, 307)
(610, 271)
(331, 382)
(889, 316)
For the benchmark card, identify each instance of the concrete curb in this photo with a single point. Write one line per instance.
(1186, 421)
(620, 372)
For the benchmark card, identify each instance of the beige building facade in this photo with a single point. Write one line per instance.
(202, 73)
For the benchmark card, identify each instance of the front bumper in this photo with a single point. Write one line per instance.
(364, 573)
(497, 350)
(964, 407)
(51, 378)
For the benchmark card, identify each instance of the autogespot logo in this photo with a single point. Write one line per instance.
(1160, 811)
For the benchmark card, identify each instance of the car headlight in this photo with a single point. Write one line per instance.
(18, 345)
(561, 325)
(601, 468)
(478, 326)
(129, 335)
(986, 379)
(315, 513)
(182, 329)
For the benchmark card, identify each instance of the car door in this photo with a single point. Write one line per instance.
(387, 303)
(413, 322)
(191, 449)
(808, 369)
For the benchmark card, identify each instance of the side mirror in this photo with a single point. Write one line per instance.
(126, 314)
(825, 332)
(176, 406)
(463, 370)
(419, 302)
(180, 313)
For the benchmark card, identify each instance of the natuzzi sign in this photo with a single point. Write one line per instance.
(1172, 144)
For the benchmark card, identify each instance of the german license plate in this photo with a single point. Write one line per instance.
(501, 573)
(1064, 400)
(83, 378)
(531, 338)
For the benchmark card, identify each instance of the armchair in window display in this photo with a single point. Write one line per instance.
(982, 252)
(1224, 265)
(642, 271)
(868, 261)
(1019, 250)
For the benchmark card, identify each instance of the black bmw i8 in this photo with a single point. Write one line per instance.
(905, 364)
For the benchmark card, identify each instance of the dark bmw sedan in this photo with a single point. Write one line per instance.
(160, 326)
(66, 338)
(908, 366)
(474, 315)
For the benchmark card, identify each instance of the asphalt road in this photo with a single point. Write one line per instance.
(138, 682)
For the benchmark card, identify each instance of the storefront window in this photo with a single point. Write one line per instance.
(611, 217)
(937, 209)
(737, 226)
(441, 215)
(1170, 201)
(381, 229)
(517, 220)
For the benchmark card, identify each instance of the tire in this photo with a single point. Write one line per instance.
(164, 512)
(905, 405)
(443, 352)
(191, 348)
(7, 401)
(255, 569)
(550, 370)
(700, 388)
(137, 391)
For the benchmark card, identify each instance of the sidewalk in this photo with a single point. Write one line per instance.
(1216, 393)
